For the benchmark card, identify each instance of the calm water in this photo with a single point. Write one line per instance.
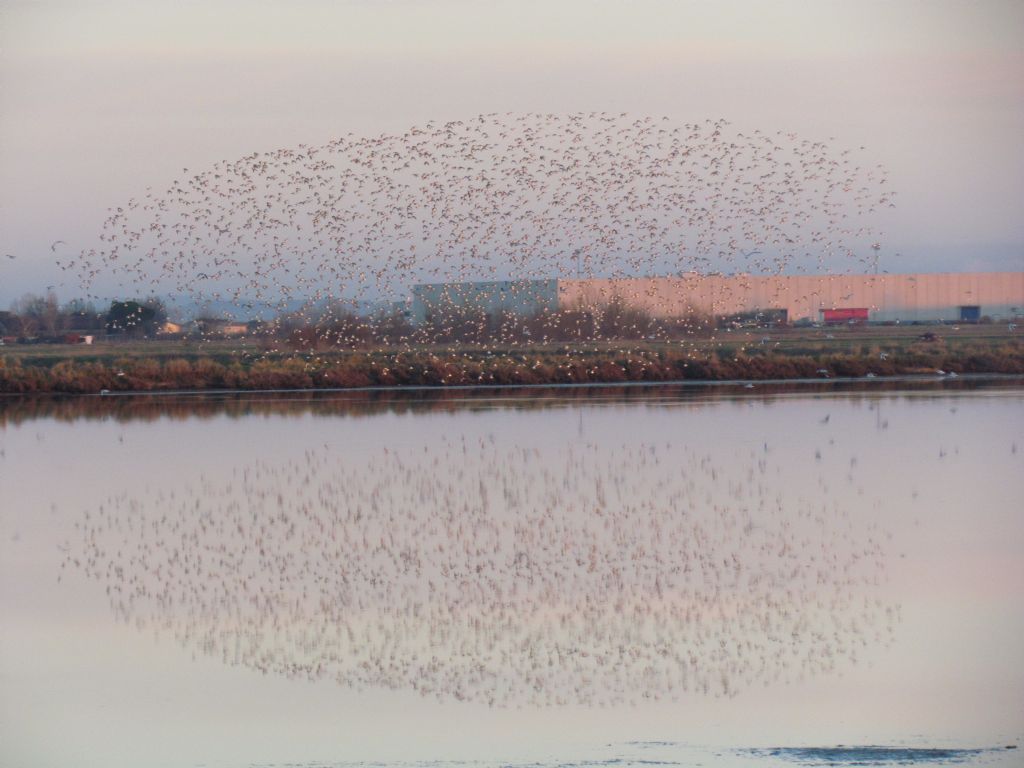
(638, 576)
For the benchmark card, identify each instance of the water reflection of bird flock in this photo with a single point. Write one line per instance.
(507, 574)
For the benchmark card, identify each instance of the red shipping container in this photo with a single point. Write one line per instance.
(845, 315)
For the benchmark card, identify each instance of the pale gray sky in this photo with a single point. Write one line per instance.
(99, 100)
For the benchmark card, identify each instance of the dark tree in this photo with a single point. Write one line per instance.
(81, 315)
(133, 318)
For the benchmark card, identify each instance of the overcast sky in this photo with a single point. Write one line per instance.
(99, 100)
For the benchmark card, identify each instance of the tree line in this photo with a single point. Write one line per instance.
(333, 326)
(34, 317)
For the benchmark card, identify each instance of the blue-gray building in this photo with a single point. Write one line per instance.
(518, 297)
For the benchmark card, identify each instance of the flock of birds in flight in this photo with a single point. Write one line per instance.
(475, 568)
(324, 231)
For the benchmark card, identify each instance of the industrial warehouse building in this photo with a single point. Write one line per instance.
(926, 297)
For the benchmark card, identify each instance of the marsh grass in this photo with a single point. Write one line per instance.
(754, 355)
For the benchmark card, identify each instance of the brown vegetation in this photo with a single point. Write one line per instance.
(516, 366)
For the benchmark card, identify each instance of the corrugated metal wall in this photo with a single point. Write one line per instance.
(916, 297)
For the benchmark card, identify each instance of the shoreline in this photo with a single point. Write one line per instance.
(867, 381)
(357, 403)
(761, 386)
